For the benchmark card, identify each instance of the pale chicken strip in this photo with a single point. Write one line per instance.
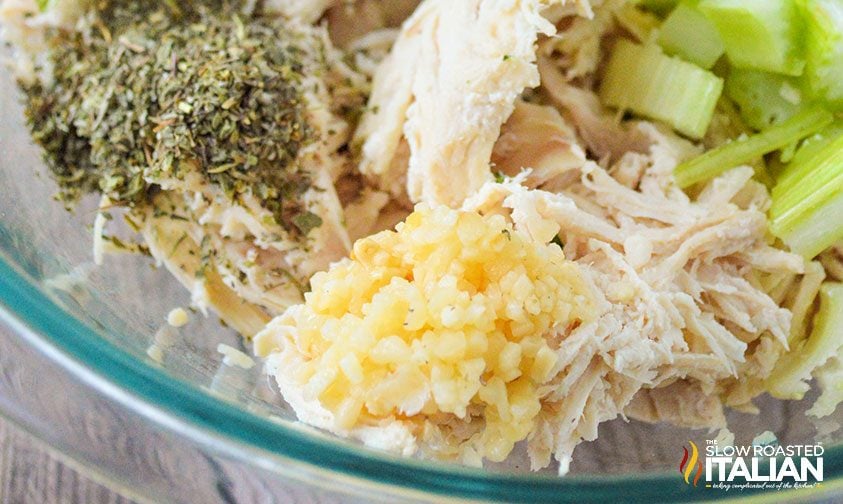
(537, 138)
(254, 256)
(384, 152)
(479, 56)
(680, 403)
(170, 242)
(451, 81)
(576, 52)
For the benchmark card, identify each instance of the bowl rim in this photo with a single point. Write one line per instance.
(222, 427)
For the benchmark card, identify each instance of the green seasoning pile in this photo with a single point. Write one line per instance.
(150, 93)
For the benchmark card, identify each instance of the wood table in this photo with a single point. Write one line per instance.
(30, 472)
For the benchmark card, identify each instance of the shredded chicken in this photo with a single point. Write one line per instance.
(681, 403)
(674, 277)
(537, 138)
(450, 82)
(577, 48)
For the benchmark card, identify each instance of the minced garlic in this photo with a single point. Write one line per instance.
(453, 313)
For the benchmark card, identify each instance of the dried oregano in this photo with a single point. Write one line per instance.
(153, 91)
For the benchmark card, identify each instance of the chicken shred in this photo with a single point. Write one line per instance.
(449, 105)
(673, 275)
(536, 137)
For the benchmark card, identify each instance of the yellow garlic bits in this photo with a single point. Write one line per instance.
(452, 313)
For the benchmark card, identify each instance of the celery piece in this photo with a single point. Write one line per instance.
(815, 169)
(824, 49)
(42, 4)
(789, 378)
(687, 33)
(743, 150)
(810, 147)
(763, 98)
(807, 149)
(759, 34)
(808, 201)
(816, 231)
(644, 80)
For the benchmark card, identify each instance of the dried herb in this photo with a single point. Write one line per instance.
(306, 221)
(153, 92)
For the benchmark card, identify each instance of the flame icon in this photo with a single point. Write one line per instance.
(686, 467)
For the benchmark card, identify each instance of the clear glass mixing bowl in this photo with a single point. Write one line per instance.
(74, 370)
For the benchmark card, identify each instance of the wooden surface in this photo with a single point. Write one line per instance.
(31, 474)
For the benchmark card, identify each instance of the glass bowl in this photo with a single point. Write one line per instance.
(76, 371)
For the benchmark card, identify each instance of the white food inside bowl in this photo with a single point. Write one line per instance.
(694, 304)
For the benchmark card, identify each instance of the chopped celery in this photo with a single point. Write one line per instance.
(687, 33)
(816, 230)
(816, 168)
(789, 379)
(808, 201)
(42, 4)
(810, 147)
(764, 98)
(644, 80)
(759, 34)
(743, 150)
(824, 49)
